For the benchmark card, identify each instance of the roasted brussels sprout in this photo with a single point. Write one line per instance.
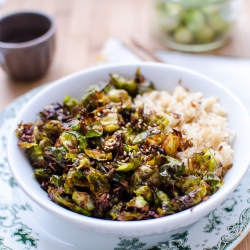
(107, 158)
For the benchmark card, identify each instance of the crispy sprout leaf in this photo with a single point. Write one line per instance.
(69, 102)
(204, 161)
(171, 144)
(56, 180)
(65, 202)
(36, 154)
(110, 122)
(69, 141)
(193, 196)
(140, 138)
(98, 155)
(118, 95)
(99, 184)
(83, 200)
(138, 202)
(145, 192)
(173, 166)
(88, 95)
(120, 82)
(95, 131)
(42, 174)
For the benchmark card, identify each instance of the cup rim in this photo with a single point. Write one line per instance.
(35, 41)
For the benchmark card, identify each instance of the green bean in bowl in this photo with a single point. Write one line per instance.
(195, 25)
(113, 155)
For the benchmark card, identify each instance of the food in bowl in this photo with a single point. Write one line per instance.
(129, 152)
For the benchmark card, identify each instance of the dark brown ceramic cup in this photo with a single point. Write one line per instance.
(27, 44)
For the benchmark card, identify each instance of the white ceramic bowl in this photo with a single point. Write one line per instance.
(165, 77)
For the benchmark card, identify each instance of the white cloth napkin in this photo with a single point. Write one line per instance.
(232, 72)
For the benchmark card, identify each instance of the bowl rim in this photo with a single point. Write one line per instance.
(109, 226)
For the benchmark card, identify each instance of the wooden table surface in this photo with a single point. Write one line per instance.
(83, 26)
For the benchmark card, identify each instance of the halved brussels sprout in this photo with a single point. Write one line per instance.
(68, 203)
(171, 143)
(88, 95)
(99, 184)
(69, 141)
(110, 122)
(83, 200)
(145, 192)
(98, 155)
(118, 95)
(120, 82)
(69, 102)
(138, 202)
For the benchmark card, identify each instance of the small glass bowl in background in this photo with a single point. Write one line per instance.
(194, 25)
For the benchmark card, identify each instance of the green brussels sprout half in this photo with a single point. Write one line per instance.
(138, 202)
(84, 200)
(120, 82)
(42, 174)
(118, 95)
(68, 203)
(36, 154)
(88, 95)
(145, 192)
(57, 180)
(95, 131)
(99, 184)
(110, 122)
(69, 141)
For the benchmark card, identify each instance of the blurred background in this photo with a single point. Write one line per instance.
(83, 27)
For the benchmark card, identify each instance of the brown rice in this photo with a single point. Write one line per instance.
(198, 118)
